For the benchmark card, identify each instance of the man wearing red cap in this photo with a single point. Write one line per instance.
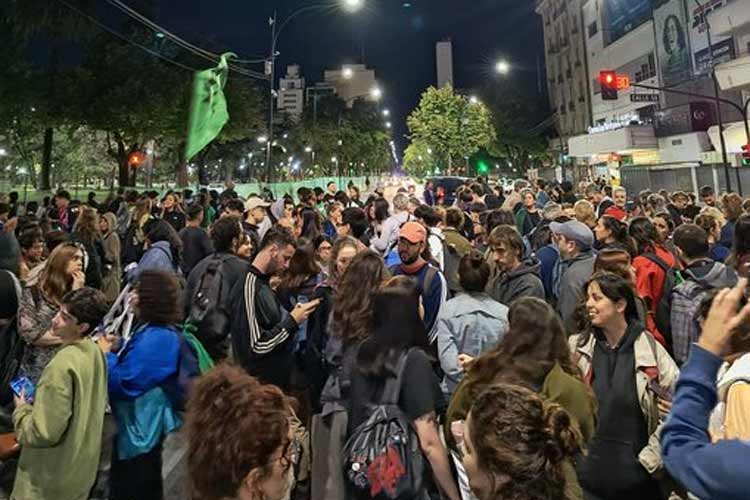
(412, 239)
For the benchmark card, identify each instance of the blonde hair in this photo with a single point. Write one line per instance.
(715, 213)
(584, 211)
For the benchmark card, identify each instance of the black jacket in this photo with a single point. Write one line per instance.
(262, 331)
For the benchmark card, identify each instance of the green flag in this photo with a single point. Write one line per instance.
(208, 107)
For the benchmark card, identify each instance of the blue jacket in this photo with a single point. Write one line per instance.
(158, 257)
(708, 470)
(148, 359)
(468, 324)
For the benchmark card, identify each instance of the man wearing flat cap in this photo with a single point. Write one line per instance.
(575, 241)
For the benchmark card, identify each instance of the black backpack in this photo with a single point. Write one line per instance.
(664, 307)
(382, 457)
(210, 311)
(451, 260)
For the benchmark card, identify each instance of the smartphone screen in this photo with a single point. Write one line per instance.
(23, 384)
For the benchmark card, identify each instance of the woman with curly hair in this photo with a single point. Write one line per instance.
(533, 354)
(229, 406)
(516, 446)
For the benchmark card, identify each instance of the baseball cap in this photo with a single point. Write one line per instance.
(616, 212)
(254, 202)
(414, 232)
(574, 231)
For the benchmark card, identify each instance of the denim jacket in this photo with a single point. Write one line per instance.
(470, 323)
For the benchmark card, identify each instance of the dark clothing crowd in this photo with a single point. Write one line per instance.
(537, 340)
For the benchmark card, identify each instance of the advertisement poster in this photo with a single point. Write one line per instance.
(623, 16)
(672, 42)
(723, 46)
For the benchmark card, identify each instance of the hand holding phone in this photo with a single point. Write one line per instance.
(23, 389)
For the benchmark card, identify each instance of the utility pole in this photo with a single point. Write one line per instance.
(717, 98)
(271, 72)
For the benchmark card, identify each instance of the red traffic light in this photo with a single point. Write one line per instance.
(135, 158)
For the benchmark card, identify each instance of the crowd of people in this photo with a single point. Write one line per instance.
(539, 342)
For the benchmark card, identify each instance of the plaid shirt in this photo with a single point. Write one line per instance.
(686, 299)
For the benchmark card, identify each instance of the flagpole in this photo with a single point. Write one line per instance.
(271, 71)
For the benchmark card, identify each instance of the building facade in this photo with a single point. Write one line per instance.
(352, 82)
(660, 44)
(291, 93)
(565, 57)
(444, 63)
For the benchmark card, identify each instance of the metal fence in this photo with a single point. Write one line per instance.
(688, 178)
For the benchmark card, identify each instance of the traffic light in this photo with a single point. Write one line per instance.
(482, 167)
(746, 155)
(608, 79)
(135, 158)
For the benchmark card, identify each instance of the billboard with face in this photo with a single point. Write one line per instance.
(672, 47)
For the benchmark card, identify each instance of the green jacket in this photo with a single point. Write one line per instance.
(60, 434)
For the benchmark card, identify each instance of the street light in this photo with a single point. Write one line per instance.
(502, 67)
(388, 124)
(386, 113)
(353, 5)
(376, 93)
(308, 149)
(347, 73)
(3, 152)
(474, 100)
(262, 139)
(276, 30)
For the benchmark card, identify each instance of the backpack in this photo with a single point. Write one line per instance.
(208, 311)
(451, 260)
(193, 361)
(382, 457)
(664, 307)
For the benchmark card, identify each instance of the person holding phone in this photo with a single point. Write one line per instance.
(706, 469)
(622, 363)
(61, 433)
(263, 333)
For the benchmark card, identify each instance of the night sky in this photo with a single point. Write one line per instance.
(399, 42)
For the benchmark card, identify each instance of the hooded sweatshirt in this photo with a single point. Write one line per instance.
(523, 281)
(700, 278)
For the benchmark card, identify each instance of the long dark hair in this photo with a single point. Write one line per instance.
(302, 266)
(353, 310)
(310, 223)
(381, 209)
(396, 328)
(644, 234)
(615, 288)
(741, 243)
(535, 341)
(619, 232)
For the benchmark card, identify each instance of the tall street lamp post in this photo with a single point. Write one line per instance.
(276, 30)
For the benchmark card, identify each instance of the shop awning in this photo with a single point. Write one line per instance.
(623, 140)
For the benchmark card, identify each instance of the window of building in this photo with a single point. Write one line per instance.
(647, 69)
(593, 29)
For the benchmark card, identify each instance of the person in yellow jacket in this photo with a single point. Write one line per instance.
(60, 432)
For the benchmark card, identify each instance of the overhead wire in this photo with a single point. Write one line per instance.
(199, 51)
(124, 38)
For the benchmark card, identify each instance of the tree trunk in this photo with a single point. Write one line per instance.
(44, 184)
(181, 168)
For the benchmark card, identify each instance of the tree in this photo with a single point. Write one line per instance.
(451, 125)
(58, 23)
(418, 160)
(519, 120)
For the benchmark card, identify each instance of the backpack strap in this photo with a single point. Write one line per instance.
(658, 261)
(652, 372)
(428, 278)
(393, 384)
